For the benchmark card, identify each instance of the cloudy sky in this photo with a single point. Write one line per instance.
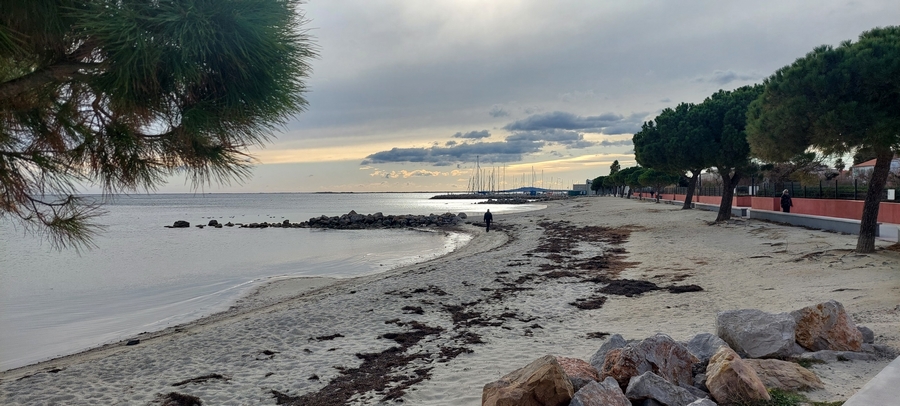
(408, 94)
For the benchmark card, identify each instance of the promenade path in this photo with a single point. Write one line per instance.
(886, 231)
(883, 389)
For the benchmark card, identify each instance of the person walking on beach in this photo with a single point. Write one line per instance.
(786, 202)
(488, 218)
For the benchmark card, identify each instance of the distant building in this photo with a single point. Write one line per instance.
(583, 189)
(864, 170)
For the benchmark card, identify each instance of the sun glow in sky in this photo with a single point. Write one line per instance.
(407, 95)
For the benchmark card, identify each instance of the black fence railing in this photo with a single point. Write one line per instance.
(843, 189)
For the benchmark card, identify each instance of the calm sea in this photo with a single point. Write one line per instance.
(144, 277)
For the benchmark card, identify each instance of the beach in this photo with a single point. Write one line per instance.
(434, 333)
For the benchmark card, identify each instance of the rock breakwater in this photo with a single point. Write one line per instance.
(351, 221)
(726, 368)
(354, 221)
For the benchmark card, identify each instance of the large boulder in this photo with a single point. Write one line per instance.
(659, 354)
(731, 380)
(181, 224)
(784, 375)
(606, 393)
(613, 342)
(541, 383)
(826, 326)
(757, 334)
(704, 345)
(651, 386)
(580, 373)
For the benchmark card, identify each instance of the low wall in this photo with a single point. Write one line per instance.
(738, 201)
(837, 224)
(735, 211)
(846, 209)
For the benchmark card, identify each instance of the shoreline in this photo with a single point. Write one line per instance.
(260, 294)
(492, 306)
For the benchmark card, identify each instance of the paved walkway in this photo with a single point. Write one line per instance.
(883, 389)
(886, 231)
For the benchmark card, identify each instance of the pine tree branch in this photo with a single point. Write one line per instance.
(59, 72)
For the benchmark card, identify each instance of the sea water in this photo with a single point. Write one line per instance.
(144, 277)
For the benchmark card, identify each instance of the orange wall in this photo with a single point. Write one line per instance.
(765, 203)
(848, 209)
(737, 201)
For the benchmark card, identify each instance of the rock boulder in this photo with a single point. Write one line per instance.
(606, 393)
(580, 373)
(704, 345)
(541, 383)
(651, 386)
(867, 334)
(731, 380)
(659, 354)
(826, 326)
(613, 342)
(757, 334)
(788, 376)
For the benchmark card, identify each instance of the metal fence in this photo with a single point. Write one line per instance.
(834, 189)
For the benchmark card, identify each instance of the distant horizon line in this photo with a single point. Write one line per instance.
(285, 193)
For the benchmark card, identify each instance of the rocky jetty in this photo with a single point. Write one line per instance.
(350, 221)
(752, 353)
(354, 221)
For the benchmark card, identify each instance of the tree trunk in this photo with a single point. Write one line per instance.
(868, 224)
(692, 184)
(728, 185)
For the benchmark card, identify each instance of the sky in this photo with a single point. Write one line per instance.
(407, 95)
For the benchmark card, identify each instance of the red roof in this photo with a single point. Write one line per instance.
(870, 162)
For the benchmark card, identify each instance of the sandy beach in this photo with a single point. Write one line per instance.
(435, 333)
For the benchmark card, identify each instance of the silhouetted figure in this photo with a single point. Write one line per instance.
(488, 218)
(786, 202)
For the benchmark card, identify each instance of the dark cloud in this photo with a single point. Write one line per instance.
(473, 134)
(725, 77)
(450, 143)
(497, 111)
(552, 135)
(570, 139)
(507, 151)
(607, 123)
